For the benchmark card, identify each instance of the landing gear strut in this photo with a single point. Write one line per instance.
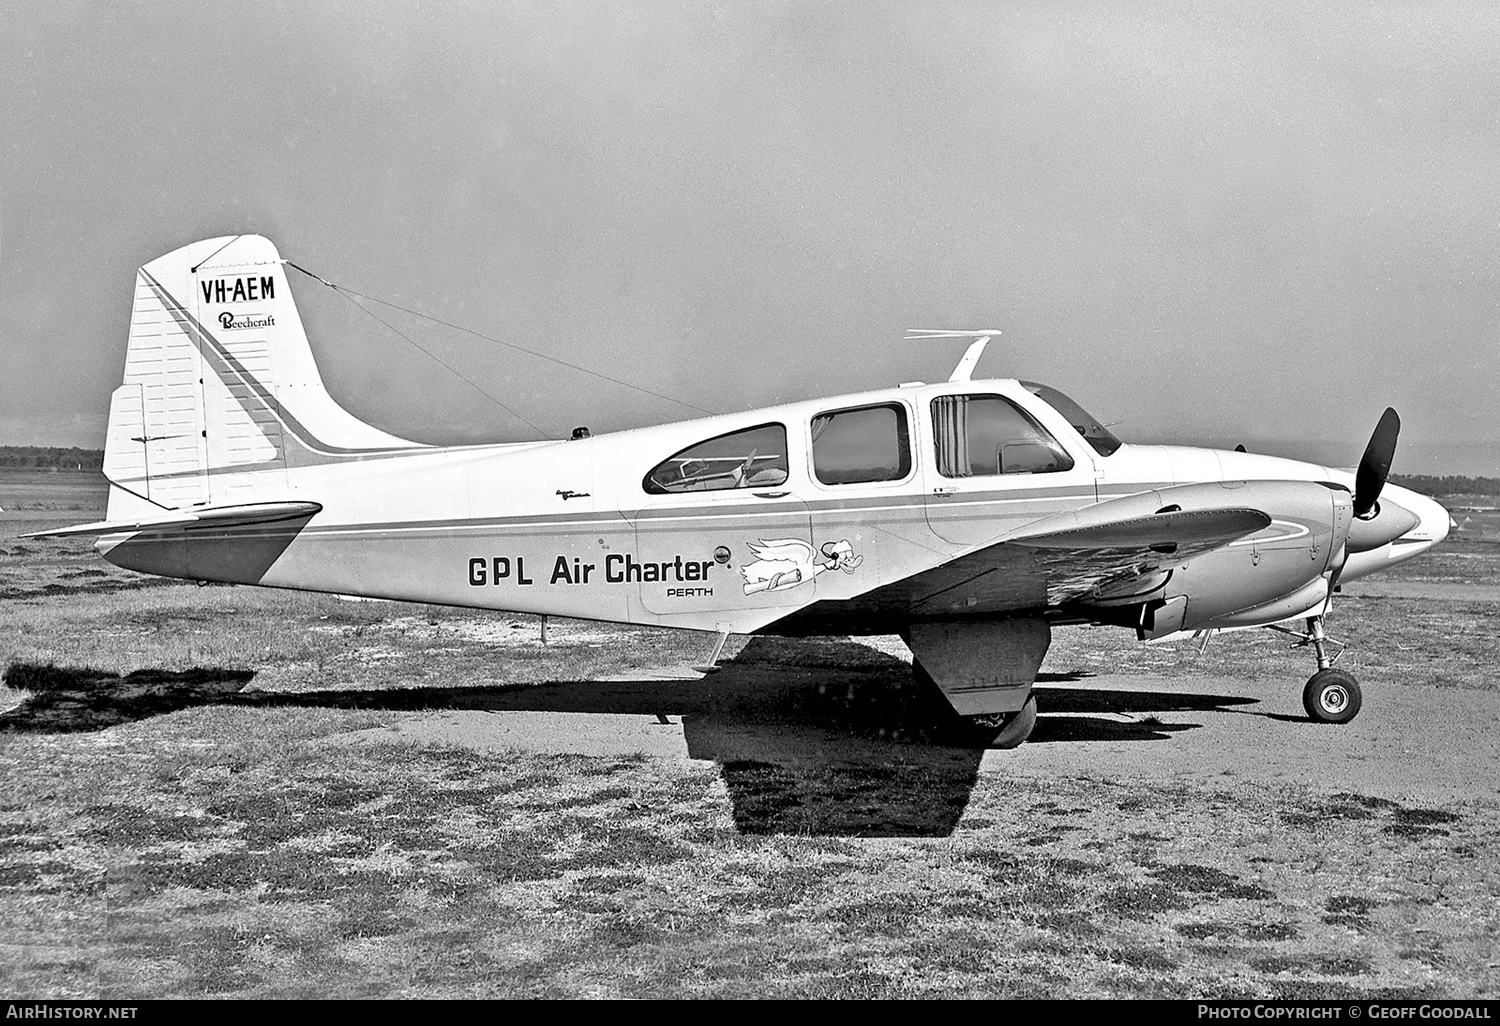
(1331, 695)
(984, 669)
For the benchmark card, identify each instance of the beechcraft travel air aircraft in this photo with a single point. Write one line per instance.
(970, 517)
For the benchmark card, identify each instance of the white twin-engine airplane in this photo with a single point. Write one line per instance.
(970, 517)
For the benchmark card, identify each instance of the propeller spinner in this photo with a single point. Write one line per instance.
(1375, 464)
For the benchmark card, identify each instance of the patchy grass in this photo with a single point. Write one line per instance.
(12, 698)
(184, 815)
(1392, 641)
(249, 853)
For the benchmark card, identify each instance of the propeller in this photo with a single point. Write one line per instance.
(1375, 464)
(1369, 480)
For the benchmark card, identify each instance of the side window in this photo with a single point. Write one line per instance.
(752, 458)
(983, 435)
(867, 443)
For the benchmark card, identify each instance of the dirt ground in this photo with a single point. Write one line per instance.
(1410, 742)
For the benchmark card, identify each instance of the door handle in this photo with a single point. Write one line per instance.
(771, 495)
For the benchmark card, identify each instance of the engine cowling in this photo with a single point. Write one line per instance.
(1277, 572)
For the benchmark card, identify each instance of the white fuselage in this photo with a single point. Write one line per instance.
(570, 528)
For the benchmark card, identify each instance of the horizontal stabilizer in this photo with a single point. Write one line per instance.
(212, 516)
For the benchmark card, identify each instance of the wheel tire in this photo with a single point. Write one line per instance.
(1331, 696)
(1016, 728)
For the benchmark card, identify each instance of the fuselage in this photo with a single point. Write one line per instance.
(739, 522)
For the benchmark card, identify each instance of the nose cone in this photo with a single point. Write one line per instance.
(1432, 525)
(1428, 524)
(1385, 523)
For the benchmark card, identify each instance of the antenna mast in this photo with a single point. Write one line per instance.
(965, 368)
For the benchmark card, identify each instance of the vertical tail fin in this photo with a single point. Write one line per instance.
(221, 395)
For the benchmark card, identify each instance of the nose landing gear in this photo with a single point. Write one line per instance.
(1331, 695)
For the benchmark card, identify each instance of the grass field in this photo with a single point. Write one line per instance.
(207, 791)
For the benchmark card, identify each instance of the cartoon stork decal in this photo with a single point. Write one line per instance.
(788, 562)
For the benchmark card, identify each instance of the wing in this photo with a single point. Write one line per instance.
(1051, 563)
(1058, 560)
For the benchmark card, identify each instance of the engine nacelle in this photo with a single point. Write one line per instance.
(1280, 565)
(1256, 579)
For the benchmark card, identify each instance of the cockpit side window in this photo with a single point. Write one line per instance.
(752, 458)
(1096, 434)
(863, 444)
(984, 435)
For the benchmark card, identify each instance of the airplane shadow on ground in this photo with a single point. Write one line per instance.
(824, 736)
(77, 699)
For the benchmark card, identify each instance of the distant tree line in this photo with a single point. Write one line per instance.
(55, 458)
(1452, 484)
(43, 457)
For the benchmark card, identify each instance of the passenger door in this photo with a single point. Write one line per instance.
(990, 467)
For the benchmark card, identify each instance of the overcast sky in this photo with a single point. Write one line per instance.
(1221, 222)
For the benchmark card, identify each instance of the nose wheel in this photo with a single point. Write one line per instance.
(1331, 695)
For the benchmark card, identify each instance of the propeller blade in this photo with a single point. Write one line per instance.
(1369, 479)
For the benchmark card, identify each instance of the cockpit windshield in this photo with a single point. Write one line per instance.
(1093, 432)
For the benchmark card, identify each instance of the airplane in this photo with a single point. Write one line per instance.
(970, 517)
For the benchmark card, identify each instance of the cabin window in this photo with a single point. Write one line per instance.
(867, 443)
(985, 435)
(752, 458)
